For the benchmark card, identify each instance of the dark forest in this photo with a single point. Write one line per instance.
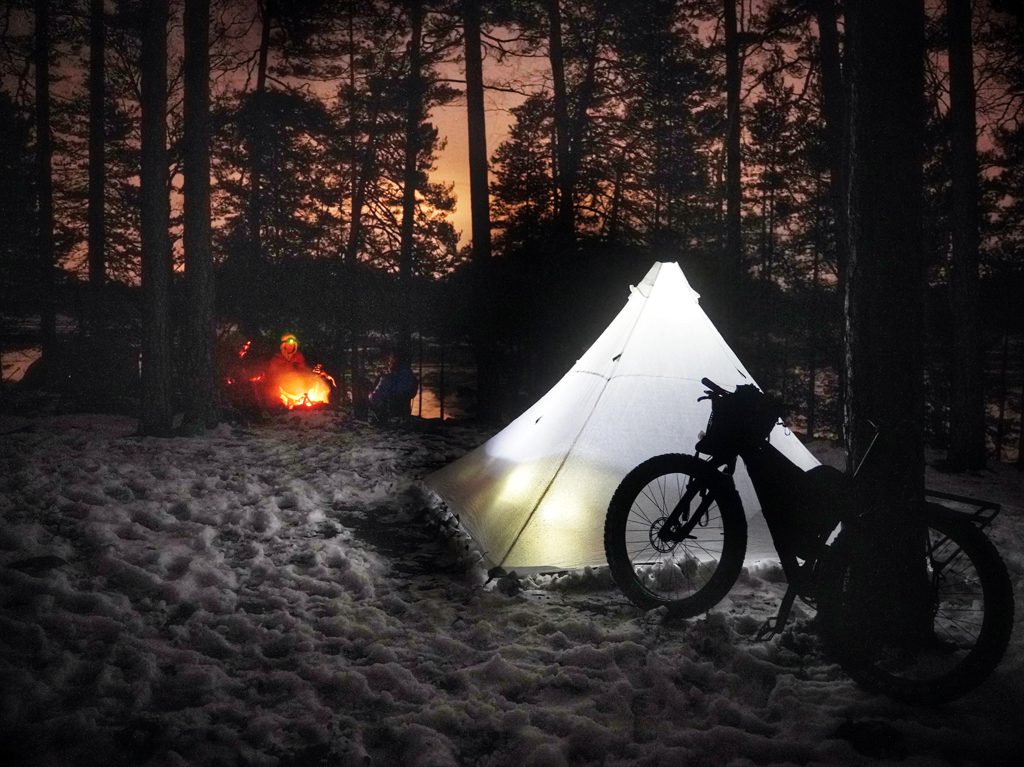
(282, 167)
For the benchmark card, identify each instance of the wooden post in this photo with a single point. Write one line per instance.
(420, 414)
(440, 383)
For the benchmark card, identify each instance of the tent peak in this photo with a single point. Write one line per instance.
(652, 275)
(666, 271)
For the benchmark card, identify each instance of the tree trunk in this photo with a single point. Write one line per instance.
(365, 161)
(255, 212)
(885, 292)
(967, 406)
(616, 211)
(352, 246)
(832, 111)
(44, 182)
(352, 320)
(410, 175)
(97, 166)
(479, 195)
(578, 127)
(564, 213)
(350, 302)
(200, 389)
(478, 182)
(734, 267)
(836, 136)
(815, 340)
(155, 417)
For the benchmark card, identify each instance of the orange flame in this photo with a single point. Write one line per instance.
(302, 389)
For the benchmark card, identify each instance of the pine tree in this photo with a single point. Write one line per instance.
(156, 414)
(97, 145)
(200, 391)
(44, 188)
(967, 405)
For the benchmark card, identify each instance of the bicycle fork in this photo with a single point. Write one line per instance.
(680, 522)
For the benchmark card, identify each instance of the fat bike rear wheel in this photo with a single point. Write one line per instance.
(689, 576)
(971, 618)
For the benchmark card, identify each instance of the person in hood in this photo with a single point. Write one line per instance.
(392, 397)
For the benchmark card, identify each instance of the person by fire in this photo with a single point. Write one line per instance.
(393, 395)
(258, 380)
(288, 358)
(292, 382)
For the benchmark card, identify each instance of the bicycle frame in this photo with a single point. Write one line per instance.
(779, 485)
(782, 487)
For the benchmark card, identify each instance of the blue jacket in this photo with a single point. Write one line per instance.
(400, 383)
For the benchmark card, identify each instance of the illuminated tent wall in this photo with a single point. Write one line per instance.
(534, 496)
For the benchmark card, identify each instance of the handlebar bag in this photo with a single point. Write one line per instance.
(738, 420)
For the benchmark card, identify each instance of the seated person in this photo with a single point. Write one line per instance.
(288, 357)
(394, 392)
(288, 378)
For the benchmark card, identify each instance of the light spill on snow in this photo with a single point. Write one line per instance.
(278, 595)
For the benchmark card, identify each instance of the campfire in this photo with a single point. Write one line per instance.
(297, 388)
(282, 379)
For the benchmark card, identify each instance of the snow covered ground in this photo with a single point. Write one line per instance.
(282, 594)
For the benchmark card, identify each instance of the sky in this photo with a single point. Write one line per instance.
(453, 161)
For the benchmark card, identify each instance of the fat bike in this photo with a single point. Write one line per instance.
(676, 533)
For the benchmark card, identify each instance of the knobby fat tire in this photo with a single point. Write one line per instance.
(734, 526)
(839, 629)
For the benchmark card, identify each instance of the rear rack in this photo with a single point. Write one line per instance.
(981, 512)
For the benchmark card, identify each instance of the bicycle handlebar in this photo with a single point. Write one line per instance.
(714, 388)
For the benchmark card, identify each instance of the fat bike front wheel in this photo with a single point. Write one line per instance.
(971, 614)
(688, 576)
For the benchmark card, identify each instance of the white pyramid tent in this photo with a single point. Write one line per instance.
(534, 496)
